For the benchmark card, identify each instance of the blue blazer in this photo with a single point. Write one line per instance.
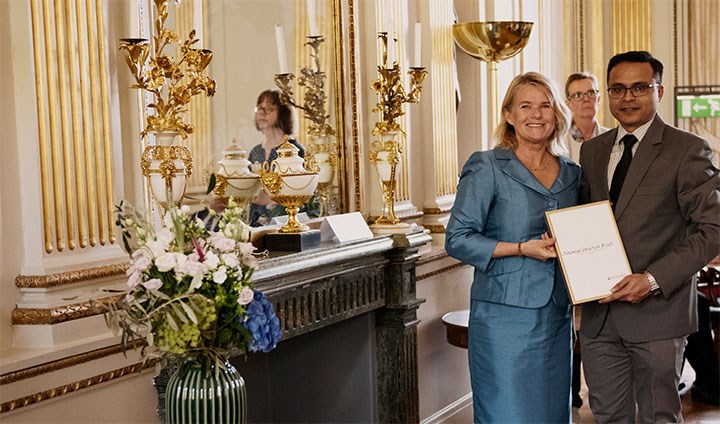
(498, 199)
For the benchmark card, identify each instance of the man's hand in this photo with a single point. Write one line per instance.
(633, 288)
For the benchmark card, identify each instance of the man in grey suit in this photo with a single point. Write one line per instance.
(665, 192)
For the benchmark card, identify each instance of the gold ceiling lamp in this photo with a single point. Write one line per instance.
(386, 153)
(172, 82)
(492, 42)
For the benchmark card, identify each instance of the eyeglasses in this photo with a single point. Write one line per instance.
(590, 94)
(618, 91)
(265, 109)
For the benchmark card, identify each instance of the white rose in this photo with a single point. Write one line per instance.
(222, 243)
(230, 259)
(191, 267)
(165, 262)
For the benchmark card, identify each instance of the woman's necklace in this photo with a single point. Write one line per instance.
(535, 168)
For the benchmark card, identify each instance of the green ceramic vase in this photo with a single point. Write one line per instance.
(214, 395)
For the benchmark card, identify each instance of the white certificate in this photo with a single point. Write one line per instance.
(590, 250)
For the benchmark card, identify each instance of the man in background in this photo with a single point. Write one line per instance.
(583, 99)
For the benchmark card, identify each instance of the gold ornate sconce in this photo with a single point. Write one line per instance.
(386, 153)
(492, 42)
(172, 82)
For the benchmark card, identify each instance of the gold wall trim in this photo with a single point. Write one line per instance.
(441, 271)
(63, 313)
(74, 386)
(73, 113)
(437, 211)
(63, 278)
(581, 19)
(340, 102)
(435, 228)
(442, 81)
(353, 103)
(675, 43)
(71, 361)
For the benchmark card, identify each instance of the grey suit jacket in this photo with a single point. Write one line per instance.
(668, 215)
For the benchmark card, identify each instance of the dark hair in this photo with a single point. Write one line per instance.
(285, 117)
(635, 56)
(577, 77)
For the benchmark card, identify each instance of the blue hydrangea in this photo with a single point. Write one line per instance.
(262, 323)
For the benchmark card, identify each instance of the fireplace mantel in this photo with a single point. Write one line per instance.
(349, 319)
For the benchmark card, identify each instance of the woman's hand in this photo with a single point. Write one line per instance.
(542, 249)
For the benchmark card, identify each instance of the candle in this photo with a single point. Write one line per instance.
(418, 39)
(197, 22)
(282, 56)
(134, 12)
(390, 50)
(312, 18)
(388, 17)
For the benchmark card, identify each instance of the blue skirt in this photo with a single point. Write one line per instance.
(520, 363)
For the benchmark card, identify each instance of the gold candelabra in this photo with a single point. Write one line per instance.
(322, 148)
(313, 79)
(386, 153)
(173, 83)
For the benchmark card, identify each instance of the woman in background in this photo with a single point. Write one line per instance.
(275, 121)
(520, 327)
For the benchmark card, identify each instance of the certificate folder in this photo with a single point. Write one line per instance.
(589, 248)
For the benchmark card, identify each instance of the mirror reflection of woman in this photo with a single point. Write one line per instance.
(275, 121)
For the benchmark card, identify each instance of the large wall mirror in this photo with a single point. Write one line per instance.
(243, 35)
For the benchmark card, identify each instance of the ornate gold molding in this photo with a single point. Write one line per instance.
(70, 277)
(440, 271)
(71, 361)
(435, 228)
(340, 97)
(74, 386)
(353, 103)
(58, 314)
(437, 211)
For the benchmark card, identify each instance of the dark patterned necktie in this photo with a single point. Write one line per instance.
(622, 168)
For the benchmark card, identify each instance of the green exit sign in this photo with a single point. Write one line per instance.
(706, 106)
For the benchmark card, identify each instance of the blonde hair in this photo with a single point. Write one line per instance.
(505, 132)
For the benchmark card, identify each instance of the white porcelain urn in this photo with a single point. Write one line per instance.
(287, 182)
(234, 178)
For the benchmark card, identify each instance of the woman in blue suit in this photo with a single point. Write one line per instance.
(520, 327)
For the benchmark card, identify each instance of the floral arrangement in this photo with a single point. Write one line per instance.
(173, 82)
(189, 293)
